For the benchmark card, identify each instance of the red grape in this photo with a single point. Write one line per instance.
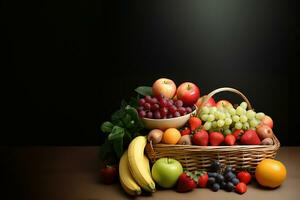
(157, 115)
(181, 110)
(154, 100)
(188, 109)
(176, 114)
(163, 102)
(173, 109)
(169, 115)
(140, 108)
(147, 106)
(142, 102)
(178, 103)
(142, 113)
(163, 111)
(149, 115)
(148, 99)
(154, 107)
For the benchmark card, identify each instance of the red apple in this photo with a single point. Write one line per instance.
(165, 87)
(224, 103)
(188, 93)
(210, 102)
(266, 120)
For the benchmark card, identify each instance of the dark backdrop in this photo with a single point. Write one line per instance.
(74, 61)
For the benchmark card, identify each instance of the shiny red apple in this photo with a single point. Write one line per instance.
(164, 86)
(224, 103)
(210, 102)
(267, 120)
(188, 92)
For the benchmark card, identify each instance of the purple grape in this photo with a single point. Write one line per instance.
(147, 106)
(157, 115)
(181, 110)
(148, 99)
(142, 102)
(169, 116)
(163, 111)
(173, 109)
(154, 107)
(188, 109)
(154, 100)
(178, 103)
(163, 103)
(176, 114)
(140, 108)
(149, 115)
(142, 113)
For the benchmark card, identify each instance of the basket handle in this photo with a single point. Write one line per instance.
(224, 89)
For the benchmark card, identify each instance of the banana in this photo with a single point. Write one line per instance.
(139, 169)
(127, 181)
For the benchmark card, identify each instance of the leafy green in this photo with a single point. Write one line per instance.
(144, 90)
(125, 124)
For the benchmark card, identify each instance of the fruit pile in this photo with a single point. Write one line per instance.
(167, 101)
(216, 123)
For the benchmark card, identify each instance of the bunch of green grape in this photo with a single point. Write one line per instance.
(226, 119)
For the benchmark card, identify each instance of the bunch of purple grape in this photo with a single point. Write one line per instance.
(162, 108)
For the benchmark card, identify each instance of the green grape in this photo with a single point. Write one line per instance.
(232, 111)
(246, 126)
(250, 114)
(220, 122)
(244, 105)
(205, 110)
(214, 124)
(238, 125)
(235, 118)
(222, 115)
(243, 118)
(227, 114)
(207, 125)
(227, 132)
(260, 115)
(253, 123)
(228, 121)
(204, 117)
(225, 127)
(240, 110)
(213, 110)
(211, 118)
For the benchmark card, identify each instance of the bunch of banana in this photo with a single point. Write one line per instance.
(134, 168)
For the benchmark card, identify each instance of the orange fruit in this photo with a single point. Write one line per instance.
(171, 136)
(270, 173)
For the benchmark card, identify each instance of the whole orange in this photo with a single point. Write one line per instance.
(270, 173)
(171, 136)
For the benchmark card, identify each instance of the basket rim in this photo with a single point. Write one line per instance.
(275, 147)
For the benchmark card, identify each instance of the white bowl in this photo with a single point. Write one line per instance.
(162, 124)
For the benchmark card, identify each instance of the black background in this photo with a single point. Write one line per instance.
(74, 61)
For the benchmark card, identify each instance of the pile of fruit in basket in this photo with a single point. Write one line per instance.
(206, 123)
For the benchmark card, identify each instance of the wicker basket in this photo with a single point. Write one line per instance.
(193, 157)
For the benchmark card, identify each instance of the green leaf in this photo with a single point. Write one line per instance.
(116, 133)
(105, 149)
(117, 116)
(107, 127)
(118, 146)
(144, 90)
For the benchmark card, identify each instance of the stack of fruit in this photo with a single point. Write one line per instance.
(216, 124)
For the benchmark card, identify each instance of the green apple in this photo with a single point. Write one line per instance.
(166, 171)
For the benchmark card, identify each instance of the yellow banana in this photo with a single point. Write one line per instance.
(127, 181)
(137, 165)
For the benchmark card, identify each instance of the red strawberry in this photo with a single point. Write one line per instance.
(109, 174)
(195, 123)
(202, 180)
(244, 177)
(186, 182)
(200, 138)
(185, 131)
(229, 140)
(241, 188)
(238, 134)
(216, 138)
(250, 137)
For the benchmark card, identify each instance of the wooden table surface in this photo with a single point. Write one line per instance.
(72, 173)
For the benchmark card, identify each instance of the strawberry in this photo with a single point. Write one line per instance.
(202, 180)
(241, 188)
(229, 140)
(195, 123)
(244, 177)
(238, 134)
(185, 131)
(186, 182)
(200, 138)
(250, 137)
(216, 138)
(109, 174)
